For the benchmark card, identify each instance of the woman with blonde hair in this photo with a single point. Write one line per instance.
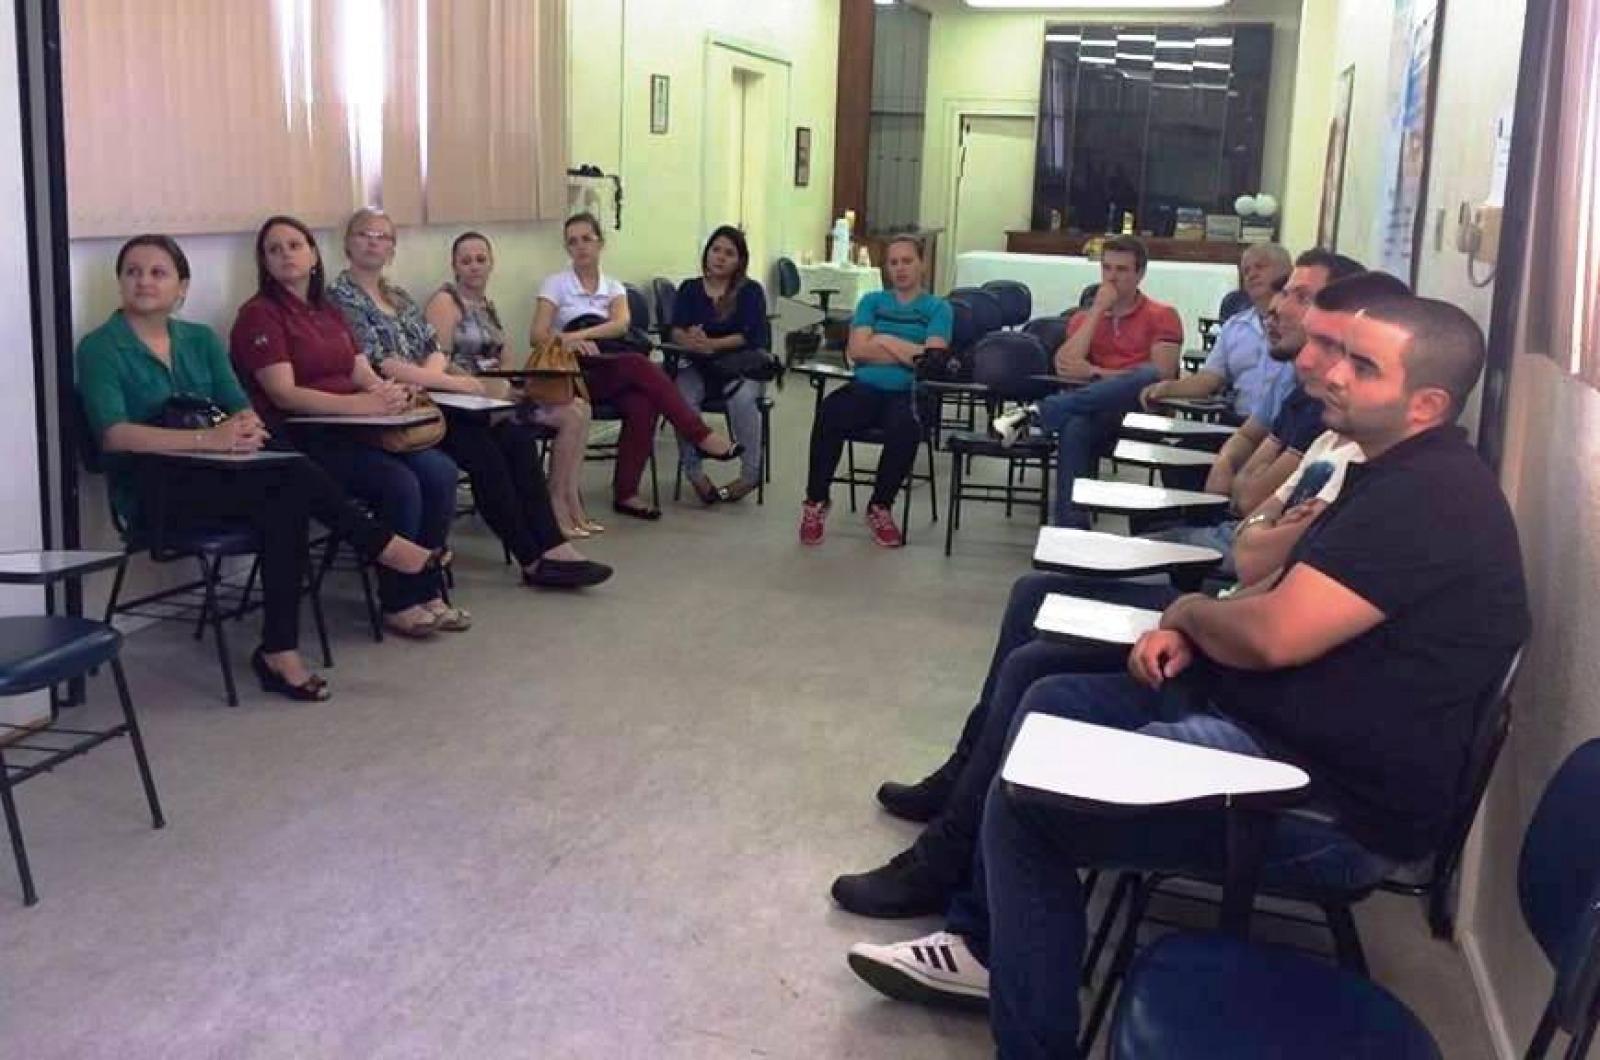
(501, 459)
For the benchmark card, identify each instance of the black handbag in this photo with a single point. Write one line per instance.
(942, 365)
(189, 412)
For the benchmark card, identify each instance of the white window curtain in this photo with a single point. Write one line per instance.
(496, 136)
(201, 116)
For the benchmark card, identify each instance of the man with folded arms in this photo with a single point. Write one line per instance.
(1123, 342)
(1363, 662)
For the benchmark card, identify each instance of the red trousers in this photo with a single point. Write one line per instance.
(640, 391)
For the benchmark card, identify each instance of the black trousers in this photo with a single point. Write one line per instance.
(856, 407)
(277, 501)
(508, 484)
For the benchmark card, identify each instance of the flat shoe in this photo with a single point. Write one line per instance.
(566, 574)
(416, 628)
(734, 452)
(649, 515)
(579, 532)
(593, 527)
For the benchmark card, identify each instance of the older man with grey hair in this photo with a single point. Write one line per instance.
(1239, 361)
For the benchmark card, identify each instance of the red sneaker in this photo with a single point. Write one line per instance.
(813, 518)
(881, 523)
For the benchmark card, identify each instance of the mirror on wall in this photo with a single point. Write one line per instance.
(1148, 120)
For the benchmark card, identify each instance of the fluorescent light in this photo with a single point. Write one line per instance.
(1187, 45)
(1200, 64)
(1063, 38)
(1097, 60)
(1099, 5)
(1206, 42)
(1174, 66)
(1132, 58)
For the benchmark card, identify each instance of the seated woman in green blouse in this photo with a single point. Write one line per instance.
(128, 370)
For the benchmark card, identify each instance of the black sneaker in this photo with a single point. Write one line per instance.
(905, 887)
(923, 801)
(566, 574)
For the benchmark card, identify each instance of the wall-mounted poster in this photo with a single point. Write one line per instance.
(1411, 96)
(1333, 168)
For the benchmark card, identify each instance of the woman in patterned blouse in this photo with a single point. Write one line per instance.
(470, 333)
(501, 459)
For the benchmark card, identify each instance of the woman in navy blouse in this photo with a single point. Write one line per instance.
(718, 311)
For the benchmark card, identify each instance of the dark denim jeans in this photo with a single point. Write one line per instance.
(949, 841)
(1032, 936)
(1084, 421)
(414, 494)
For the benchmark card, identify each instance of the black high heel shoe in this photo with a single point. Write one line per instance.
(439, 559)
(313, 690)
(735, 451)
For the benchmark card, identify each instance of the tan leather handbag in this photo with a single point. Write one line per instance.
(417, 436)
(551, 356)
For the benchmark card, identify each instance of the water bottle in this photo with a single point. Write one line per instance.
(841, 242)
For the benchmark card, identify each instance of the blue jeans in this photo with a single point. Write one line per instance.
(1217, 535)
(948, 843)
(744, 422)
(414, 494)
(1084, 420)
(1033, 936)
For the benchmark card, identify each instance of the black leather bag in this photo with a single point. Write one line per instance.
(189, 412)
(942, 365)
(635, 340)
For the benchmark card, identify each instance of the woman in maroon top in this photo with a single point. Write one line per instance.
(296, 356)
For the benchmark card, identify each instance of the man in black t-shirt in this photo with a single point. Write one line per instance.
(1364, 662)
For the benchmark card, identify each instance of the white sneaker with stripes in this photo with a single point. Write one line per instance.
(1014, 424)
(936, 969)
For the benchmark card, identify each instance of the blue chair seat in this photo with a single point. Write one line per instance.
(37, 651)
(1199, 997)
(204, 541)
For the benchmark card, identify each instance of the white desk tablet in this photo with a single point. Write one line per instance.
(1062, 548)
(1170, 427)
(1149, 454)
(1104, 496)
(1096, 764)
(469, 402)
(1063, 617)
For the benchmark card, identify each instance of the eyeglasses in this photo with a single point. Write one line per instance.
(376, 235)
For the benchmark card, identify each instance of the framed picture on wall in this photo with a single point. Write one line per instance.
(1333, 168)
(660, 103)
(802, 156)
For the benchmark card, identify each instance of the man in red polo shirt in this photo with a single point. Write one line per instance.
(1121, 344)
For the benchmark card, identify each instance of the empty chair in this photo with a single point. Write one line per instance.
(1016, 301)
(987, 313)
(1051, 333)
(664, 293)
(1004, 365)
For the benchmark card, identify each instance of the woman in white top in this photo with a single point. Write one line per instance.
(584, 308)
(469, 331)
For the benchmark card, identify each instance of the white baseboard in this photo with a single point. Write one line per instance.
(1493, 1014)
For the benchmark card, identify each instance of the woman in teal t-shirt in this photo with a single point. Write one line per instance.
(891, 329)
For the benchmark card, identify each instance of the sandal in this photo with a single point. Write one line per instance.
(452, 619)
(736, 491)
(708, 496)
(415, 628)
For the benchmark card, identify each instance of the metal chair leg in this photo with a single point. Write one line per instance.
(1124, 886)
(850, 456)
(157, 818)
(14, 828)
(249, 589)
(213, 609)
(314, 591)
(1119, 966)
(1346, 939)
(954, 513)
(933, 483)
